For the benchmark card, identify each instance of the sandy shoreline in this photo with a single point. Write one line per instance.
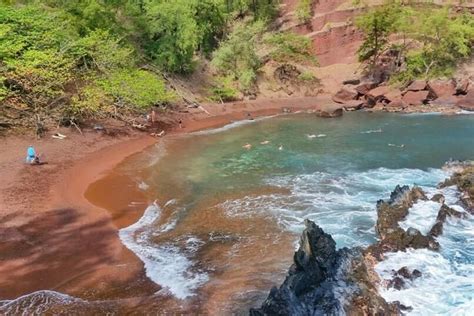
(51, 237)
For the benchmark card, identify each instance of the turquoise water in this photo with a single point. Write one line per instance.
(229, 216)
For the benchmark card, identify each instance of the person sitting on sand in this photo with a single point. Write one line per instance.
(31, 156)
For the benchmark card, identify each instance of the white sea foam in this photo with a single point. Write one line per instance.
(371, 131)
(443, 287)
(422, 216)
(165, 264)
(143, 186)
(232, 125)
(37, 303)
(446, 285)
(343, 204)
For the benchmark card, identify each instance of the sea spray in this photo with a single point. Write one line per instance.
(321, 196)
(165, 264)
(40, 303)
(446, 285)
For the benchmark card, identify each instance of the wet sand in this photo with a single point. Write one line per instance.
(51, 237)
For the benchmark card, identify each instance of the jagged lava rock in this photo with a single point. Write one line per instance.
(314, 262)
(318, 278)
(438, 198)
(390, 212)
(464, 179)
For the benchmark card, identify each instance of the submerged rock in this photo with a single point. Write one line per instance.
(399, 278)
(438, 198)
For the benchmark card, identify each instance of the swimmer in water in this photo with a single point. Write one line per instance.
(266, 142)
(247, 146)
(399, 146)
(281, 147)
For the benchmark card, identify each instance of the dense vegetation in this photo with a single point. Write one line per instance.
(430, 41)
(64, 61)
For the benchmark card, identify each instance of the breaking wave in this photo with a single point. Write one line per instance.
(343, 204)
(165, 264)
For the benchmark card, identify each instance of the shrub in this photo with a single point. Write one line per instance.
(224, 90)
(237, 56)
(304, 10)
(307, 76)
(291, 47)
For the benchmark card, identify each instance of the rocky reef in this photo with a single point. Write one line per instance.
(326, 281)
(463, 178)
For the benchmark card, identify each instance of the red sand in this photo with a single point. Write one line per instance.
(51, 237)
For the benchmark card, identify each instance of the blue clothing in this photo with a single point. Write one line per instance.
(30, 154)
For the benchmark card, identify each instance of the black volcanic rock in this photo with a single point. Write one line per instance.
(319, 277)
(326, 281)
(314, 263)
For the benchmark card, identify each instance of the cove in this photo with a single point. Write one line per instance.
(225, 219)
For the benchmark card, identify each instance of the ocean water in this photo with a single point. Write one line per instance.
(225, 217)
(228, 215)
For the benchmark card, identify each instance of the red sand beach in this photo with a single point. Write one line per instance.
(52, 238)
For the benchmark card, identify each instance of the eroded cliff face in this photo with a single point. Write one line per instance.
(331, 28)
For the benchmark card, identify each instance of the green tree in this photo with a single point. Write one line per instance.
(377, 24)
(237, 55)
(177, 29)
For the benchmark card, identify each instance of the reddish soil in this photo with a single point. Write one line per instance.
(51, 237)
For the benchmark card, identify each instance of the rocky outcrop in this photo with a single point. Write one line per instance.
(392, 237)
(442, 88)
(318, 277)
(326, 281)
(415, 97)
(330, 111)
(463, 178)
(417, 85)
(390, 212)
(467, 102)
(401, 276)
(345, 94)
(443, 214)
